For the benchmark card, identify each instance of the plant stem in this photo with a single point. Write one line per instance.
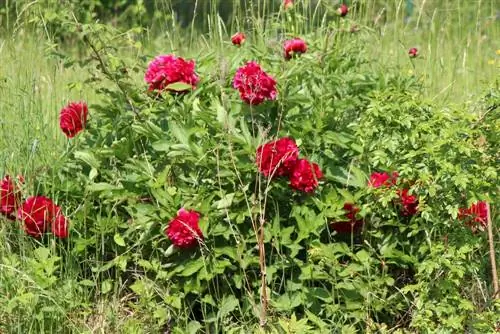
(262, 262)
(492, 254)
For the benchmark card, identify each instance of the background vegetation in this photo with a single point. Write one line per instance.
(355, 102)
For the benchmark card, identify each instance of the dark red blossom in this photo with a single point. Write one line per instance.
(254, 84)
(409, 203)
(38, 213)
(413, 52)
(183, 230)
(305, 175)
(476, 216)
(73, 118)
(293, 47)
(343, 10)
(277, 158)
(383, 179)
(351, 225)
(60, 226)
(238, 38)
(10, 197)
(168, 69)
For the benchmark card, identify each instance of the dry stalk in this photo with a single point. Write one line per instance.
(494, 274)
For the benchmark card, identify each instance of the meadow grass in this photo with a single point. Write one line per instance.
(458, 60)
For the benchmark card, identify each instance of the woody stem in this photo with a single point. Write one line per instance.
(494, 274)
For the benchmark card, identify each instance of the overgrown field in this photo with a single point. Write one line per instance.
(227, 166)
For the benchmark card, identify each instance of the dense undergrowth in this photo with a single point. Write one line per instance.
(379, 241)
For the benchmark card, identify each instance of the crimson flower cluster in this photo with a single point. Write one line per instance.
(37, 213)
(184, 230)
(168, 69)
(255, 85)
(287, 4)
(281, 158)
(293, 47)
(408, 202)
(475, 216)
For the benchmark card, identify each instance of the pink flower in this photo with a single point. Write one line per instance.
(254, 84)
(288, 4)
(305, 175)
(278, 157)
(351, 225)
(294, 46)
(413, 52)
(10, 197)
(382, 179)
(37, 213)
(73, 118)
(238, 38)
(409, 203)
(168, 69)
(183, 230)
(343, 10)
(476, 216)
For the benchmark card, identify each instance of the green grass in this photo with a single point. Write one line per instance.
(458, 60)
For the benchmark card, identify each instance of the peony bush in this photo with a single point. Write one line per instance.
(236, 198)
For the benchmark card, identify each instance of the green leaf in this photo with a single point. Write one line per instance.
(192, 267)
(179, 86)
(180, 133)
(102, 186)
(193, 327)
(119, 240)
(229, 303)
(106, 286)
(161, 145)
(224, 202)
(88, 157)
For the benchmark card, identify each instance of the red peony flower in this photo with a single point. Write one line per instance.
(383, 179)
(254, 84)
(476, 216)
(294, 46)
(73, 118)
(278, 157)
(305, 176)
(60, 227)
(343, 10)
(37, 213)
(288, 4)
(413, 52)
(10, 197)
(352, 225)
(409, 203)
(238, 38)
(183, 230)
(168, 69)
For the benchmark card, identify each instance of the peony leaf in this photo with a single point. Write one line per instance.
(87, 157)
(179, 86)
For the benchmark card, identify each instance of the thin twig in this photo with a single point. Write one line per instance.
(262, 261)
(494, 274)
(105, 70)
